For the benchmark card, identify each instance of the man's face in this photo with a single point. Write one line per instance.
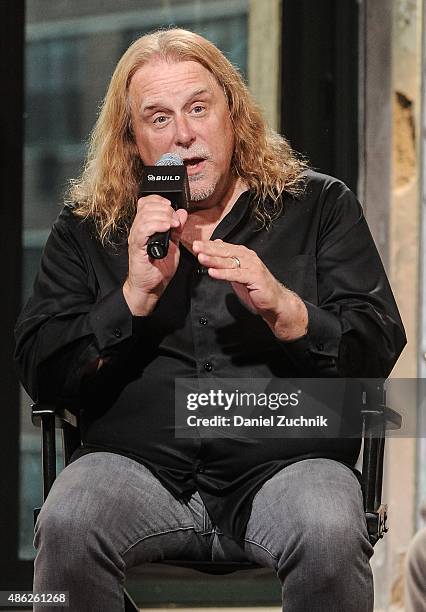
(178, 107)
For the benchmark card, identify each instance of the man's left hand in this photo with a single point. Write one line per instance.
(256, 287)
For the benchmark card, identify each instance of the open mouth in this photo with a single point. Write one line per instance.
(195, 163)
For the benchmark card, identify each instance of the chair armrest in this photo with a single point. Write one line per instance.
(375, 413)
(45, 411)
(373, 419)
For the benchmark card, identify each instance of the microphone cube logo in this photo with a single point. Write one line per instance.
(152, 177)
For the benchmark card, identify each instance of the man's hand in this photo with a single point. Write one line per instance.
(148, 278)
(257, 288)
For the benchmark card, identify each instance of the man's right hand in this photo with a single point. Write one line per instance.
(148, 278)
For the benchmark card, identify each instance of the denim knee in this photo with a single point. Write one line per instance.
(59, 527)
(68, 528)
(329, 547)
(338, 535)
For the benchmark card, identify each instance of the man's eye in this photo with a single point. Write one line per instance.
(198, 109)
(160, 119)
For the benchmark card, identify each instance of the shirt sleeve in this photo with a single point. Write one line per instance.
(65, 329)
(355, 329)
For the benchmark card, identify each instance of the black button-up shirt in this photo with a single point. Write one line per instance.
(320, 247)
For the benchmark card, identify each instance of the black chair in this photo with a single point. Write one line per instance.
(377, 417)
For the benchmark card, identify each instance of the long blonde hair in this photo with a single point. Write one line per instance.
(107, 190)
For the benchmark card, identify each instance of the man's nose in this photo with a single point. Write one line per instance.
(185, 134)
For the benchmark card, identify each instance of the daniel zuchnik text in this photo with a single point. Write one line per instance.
(272, 421)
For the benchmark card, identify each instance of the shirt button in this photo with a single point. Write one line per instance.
(117, 332)
(208, 366)
(203, 321)
(320, 346)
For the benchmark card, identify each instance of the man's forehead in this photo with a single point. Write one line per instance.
(160, 76)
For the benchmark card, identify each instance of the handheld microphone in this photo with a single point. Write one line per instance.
(169, 179)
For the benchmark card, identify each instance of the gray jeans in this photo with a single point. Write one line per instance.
(106, 513)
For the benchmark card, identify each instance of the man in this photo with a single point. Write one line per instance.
(273, 273)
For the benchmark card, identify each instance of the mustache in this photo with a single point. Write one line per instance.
(194, 151)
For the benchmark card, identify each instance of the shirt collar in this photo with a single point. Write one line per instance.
(240, 211)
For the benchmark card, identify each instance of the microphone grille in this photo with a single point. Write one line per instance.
(169, 159)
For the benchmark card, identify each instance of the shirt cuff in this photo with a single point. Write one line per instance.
(112, 322)
(320, 346)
